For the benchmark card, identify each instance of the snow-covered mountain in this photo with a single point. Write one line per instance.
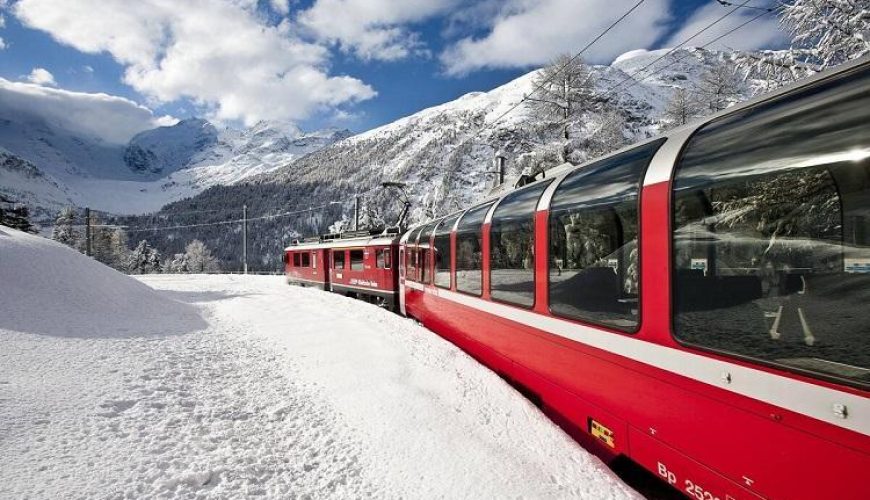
(24, 182)
(441, 154)
(158, 166)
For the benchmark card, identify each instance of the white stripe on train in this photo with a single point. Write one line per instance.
(801, 397)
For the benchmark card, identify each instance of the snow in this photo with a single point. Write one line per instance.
(236, 386)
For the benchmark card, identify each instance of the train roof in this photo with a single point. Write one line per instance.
(347, 239)
(677, 135)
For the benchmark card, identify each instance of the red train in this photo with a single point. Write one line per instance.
(357, 264)
(698, 303)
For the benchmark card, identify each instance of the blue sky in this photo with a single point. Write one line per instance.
(353, 63)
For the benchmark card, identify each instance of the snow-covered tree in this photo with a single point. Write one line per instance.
(178, 264)
(15, 215)
(66, 229)
(719, 87)
(144, 259)
(680, 109)
(564, 90)
(200, 259)
(108, 244)
(607, 133)
(824, 33)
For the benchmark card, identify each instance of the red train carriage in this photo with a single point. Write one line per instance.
(699, 303)
(357, 264)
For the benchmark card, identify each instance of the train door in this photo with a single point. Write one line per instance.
(402, 280)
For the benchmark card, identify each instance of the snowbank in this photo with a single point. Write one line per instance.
(286, 393)
(50, 289)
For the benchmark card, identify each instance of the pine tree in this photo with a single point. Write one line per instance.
(144, 259)
(65, 230)
(15, 215)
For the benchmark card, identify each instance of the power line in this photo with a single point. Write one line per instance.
(675, 61)
(675, 48)
(753, 7)
(235, 221)
(556, 73)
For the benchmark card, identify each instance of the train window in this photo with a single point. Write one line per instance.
(306, 259)
(387, 258)
(356, 260)
(512, 246)
(469, 250)
(297, 260)
(771, 241)
(379, 259)
(442, 251)
(594, 265)
(412, 254)
(425, 252)
(338, 259)
(383, 258)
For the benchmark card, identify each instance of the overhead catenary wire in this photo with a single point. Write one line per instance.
(139, 229)
(675, 48)
(561, 68)
(676, 60)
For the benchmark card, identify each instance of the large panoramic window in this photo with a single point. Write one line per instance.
(469, 250)
(594, 265)
(771, 233)
(443, 251)
(512, 246)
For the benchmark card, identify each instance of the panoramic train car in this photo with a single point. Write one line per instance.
(357, 264)
(698, 303)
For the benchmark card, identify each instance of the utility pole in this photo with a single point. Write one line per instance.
(88, 236)
(356, 213)
(245, 238)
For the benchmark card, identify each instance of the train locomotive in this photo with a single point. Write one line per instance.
(698, 303)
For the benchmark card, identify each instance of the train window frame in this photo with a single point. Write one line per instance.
(305, 259)
(654, 145)
(411, 261)
(382, 258)
(335, 260)
(360, 262)
(542, 186)
(425, 248)
(483, 209)
(439, 233)
(297, 259)
(756, 361)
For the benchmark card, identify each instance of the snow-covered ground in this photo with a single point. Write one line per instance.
(241, 386)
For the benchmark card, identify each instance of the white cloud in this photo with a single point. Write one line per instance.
(41, 76)
(281, 6)
(527, 33)
(372, 29)
(761, 33)
(218, 53)
(2, 20)
(88, 68)
(2, 43)
(111, 118)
